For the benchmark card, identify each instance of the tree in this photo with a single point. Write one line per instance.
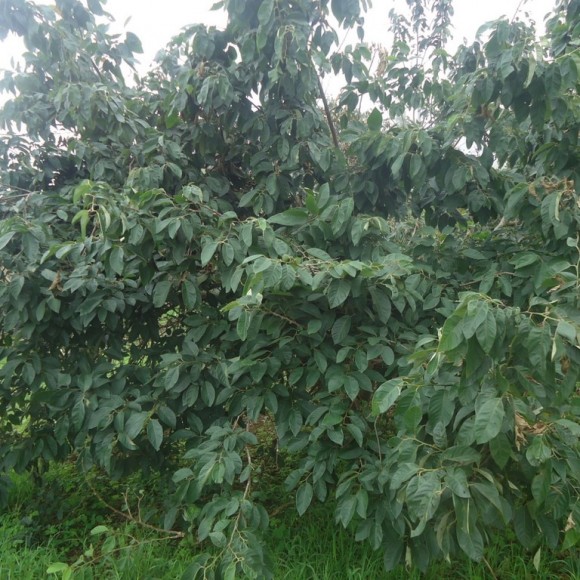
(205, 245)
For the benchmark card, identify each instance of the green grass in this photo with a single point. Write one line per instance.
(146, 559)
(314, 547)
(52, 523)
(16, 559)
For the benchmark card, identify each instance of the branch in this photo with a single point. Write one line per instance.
(170, 534)
(327, 111)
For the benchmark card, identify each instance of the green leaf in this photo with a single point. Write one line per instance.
(515, 199)
(489, 420)
(441, 408)
(243, 324)
(551, 210)
(131, 40)
(40, 311)
(340, 329)
(375, 120)
(5, 239)
(451, 333)
(537, 345)
(261, 264)
(571, 426)
(57, 567)
(571, 538)
(155, 434)
(304, 497)
(541, 485)
(230, 572)
(538, 452)
(486, 332)
(99, 530)
(477, 312)
(116, 260)
(320, 360)
(394, 548)
(346, 510)
(403, 473)
(524, 527)
(356, 433)
(532, 64)
(386, 396)
(471, 542)
(291, 217)
(335, 435)
(351, 387)
(207, 251)
(524, 260)
(171, 377)
(78, 414)
(160, 293)
(456, 481)
(416, 168)
(357, 230)
(474, 254)
(315, 152)
(189, 294)
(381, 304)
(566, 330)
(134, 424)
(398, 164)
(314, 326)
(488, 279)
(423, 496)
(501, 450)
(323, 195)
(167, 416)
(265, 11)
(319, 253)
(342, 215)
(227, 254)
(82, 189)
(83, 217)
(337, 293)
(461, 454)
(468, 535)
(362, 502)
(181, 474)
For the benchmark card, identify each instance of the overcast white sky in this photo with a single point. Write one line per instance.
(155, 22)
(156, 26)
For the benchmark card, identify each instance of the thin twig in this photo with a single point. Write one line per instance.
(281, 316)
(129, 517)
(517, 10)
(95, 559)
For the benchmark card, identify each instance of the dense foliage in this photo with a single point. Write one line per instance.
(392, 279)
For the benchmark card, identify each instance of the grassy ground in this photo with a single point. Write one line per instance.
(51, 523)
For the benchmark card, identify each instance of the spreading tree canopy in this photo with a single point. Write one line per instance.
(391, 278)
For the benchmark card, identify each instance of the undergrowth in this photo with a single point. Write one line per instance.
(83, 527)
